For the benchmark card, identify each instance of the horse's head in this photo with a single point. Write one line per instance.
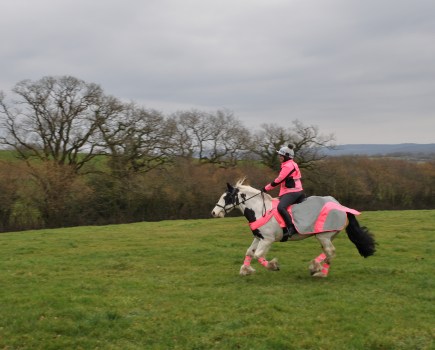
(227, 202)
(242, 197)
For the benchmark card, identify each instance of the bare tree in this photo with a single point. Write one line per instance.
(230, 141)
(307, 140)
(136, 139)
(53, 119)
(193, 132)
(212, 138)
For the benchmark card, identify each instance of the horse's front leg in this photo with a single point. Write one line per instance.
(261, 252)
(246, 268)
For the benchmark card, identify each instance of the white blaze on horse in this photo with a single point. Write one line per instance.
(322, 217)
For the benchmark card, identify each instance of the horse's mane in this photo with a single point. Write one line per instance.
(240, 182)
(247, 188)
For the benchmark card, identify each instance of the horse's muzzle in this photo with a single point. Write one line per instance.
(217, 213)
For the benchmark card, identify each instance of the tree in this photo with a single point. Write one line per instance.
(136, 139)
(53, 125)
(229, 141)
(53, 119)
(217, 138)
(9, 182)
(307, 140)
(58, 194)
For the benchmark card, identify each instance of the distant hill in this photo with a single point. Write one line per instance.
(383, 150)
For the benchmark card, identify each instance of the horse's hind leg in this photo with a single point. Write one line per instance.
(316, 264)
(319, 267)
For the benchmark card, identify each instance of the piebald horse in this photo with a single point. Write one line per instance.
(255, 205)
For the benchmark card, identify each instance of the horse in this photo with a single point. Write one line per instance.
(266, 224)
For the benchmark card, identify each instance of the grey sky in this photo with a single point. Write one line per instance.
(362, 70)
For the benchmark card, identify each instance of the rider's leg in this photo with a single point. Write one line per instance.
(284, 202)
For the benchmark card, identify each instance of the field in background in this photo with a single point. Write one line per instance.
(175, 285)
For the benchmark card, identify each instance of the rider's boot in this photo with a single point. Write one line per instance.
(287, 232)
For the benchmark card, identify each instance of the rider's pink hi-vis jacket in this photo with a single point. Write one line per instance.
(289, 177)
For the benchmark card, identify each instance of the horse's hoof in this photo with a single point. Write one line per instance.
(273, 265)
(246, 270)
(319, 274)
(314, 268)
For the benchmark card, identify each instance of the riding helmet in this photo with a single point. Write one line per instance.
(287, 152)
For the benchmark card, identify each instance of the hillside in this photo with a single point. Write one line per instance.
(347, 149)
(175, 284)
(403, 149)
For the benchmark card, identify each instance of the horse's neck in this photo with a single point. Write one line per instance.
(258, 204)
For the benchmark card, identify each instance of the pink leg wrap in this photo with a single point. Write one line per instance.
(247, 261)
(325, 269)
(320, 258)
(263, 261)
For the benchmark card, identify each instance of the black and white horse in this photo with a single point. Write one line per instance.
(266, 225)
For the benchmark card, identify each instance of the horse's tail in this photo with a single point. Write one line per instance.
(360, 236)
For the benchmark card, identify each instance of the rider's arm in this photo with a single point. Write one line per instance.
(285, 171)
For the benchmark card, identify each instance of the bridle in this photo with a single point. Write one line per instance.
(236, 202)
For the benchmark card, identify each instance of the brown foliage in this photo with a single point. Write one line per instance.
(45, 195)
(375, 183)
(50, 195)
(10, 178)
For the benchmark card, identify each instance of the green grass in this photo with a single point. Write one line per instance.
(175, 285)
(7, 155)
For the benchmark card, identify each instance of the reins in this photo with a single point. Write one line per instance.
(242, 202)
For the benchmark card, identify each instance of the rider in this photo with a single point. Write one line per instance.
(291, 187)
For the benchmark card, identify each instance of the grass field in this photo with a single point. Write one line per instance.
(175, 285)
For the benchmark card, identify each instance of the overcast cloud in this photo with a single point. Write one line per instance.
(362, 70)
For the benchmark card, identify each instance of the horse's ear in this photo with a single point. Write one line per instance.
(230, 188)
